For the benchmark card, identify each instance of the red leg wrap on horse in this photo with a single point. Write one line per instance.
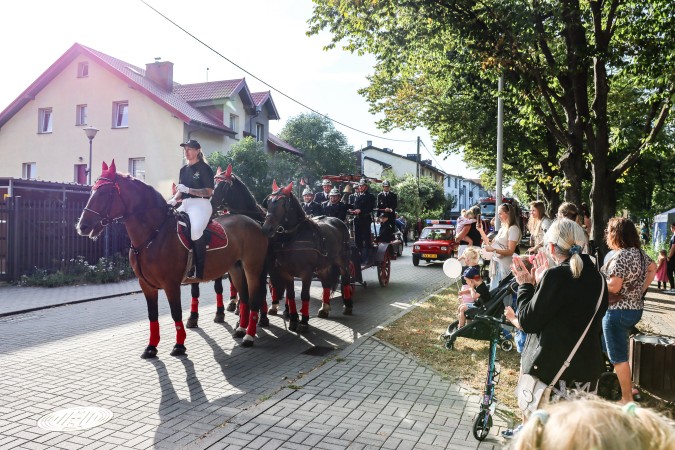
(263, 308)
(154, 334)
(194, 307)
(291, 305)
(304, 310)
(326, 295)
(180, 333)
(252, 324)
(347, 292)
(219, 300)
(233, 291)
(243, 315)
(275, 295)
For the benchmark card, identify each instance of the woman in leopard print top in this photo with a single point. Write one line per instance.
(629, 273)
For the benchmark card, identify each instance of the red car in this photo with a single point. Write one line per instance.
(436, 242)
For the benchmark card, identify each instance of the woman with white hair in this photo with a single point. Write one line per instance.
(559, 304)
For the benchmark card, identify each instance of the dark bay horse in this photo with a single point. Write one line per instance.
(300, 246)
(158, 256)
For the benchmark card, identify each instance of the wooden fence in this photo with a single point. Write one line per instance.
(39, 234)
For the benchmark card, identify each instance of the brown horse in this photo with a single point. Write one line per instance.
(300, 246)
(158, 256)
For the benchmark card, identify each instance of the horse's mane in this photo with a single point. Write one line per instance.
(155, 197)
(247, 195)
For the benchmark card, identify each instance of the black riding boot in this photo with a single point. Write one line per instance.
(199, 255)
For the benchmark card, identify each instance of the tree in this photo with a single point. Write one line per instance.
(426, 202)
(249, 162)
(567, 64)
(326, 150)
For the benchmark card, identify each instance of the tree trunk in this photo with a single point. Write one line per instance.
(572, 165)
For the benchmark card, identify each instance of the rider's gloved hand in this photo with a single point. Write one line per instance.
(182, 188)
(172, 201)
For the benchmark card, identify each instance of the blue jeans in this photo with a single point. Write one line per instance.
(616, 326)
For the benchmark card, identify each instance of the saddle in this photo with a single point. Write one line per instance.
(217, 237)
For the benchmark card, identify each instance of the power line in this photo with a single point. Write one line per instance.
(267, 84)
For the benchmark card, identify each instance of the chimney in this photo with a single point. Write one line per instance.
(369, 143)
(161, 73)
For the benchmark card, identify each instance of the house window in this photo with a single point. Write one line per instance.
(120, 114)
(455, 183)
(29, 171)
(449, 180)
(234, 122)
(137, 168)
(81, 115)
(83, 69)
(259, 132)
(80, 174)
(45, 120)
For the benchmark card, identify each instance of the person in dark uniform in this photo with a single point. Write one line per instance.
(387, 202)
(364, 204)
(322, 196)
(310, 207)
(194, 192)
(334, 207)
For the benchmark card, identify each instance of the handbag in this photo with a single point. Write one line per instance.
(531, 391)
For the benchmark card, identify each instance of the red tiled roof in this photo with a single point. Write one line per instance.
(134, 75)
(265, 99)
(213, 90)
(283, 145)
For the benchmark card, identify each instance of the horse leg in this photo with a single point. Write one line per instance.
(304, 309)
(232, 306)
(220, 308)
(173, 294)
(237, 276)
(192, 321)
(325, 305)
(291, 307)
(151, 296)
(256, 297)
(276, 292)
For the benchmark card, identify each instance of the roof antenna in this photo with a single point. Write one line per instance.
(157, 59)
(207, 74)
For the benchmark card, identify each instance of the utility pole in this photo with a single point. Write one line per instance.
(500, 150)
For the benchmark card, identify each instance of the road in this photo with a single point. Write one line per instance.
(88, 355)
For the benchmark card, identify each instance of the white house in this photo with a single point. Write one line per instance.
(142, 116)
(465, 191)
(376, 161)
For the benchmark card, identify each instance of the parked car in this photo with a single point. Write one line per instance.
(436, 242)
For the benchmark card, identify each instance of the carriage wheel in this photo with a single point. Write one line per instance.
(384, 270)
(482, 425)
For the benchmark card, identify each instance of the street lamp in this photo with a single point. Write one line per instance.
(91, 134)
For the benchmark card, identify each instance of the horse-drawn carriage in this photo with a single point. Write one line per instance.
(381, 252)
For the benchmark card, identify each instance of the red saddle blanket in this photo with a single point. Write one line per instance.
(218, 236)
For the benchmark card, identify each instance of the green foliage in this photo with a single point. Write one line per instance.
(326, 150)
(249, 162)
(78, 271)
(589, 85)
(414, 202)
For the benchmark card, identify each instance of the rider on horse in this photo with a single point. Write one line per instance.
(194, 192)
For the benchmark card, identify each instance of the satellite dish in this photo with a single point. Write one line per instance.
(452, 268)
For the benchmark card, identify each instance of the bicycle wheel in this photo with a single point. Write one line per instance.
(482, 425)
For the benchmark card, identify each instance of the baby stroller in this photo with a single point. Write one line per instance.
(500, 297)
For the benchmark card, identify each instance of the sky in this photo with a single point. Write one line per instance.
(265, 38)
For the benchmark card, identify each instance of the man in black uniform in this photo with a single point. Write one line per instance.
(322, 196)
(310, 207)
(334, 207)
(387, 202)
(364, 204)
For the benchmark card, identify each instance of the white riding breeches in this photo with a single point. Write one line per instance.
(199, 210)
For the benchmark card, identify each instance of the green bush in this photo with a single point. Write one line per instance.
(78, 271)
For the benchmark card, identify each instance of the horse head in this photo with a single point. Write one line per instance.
(279, 204)
(104, 205)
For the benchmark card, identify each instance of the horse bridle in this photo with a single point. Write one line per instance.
(280, 229)
(106, 219)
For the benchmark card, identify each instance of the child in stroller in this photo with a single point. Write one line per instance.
(500, 297)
